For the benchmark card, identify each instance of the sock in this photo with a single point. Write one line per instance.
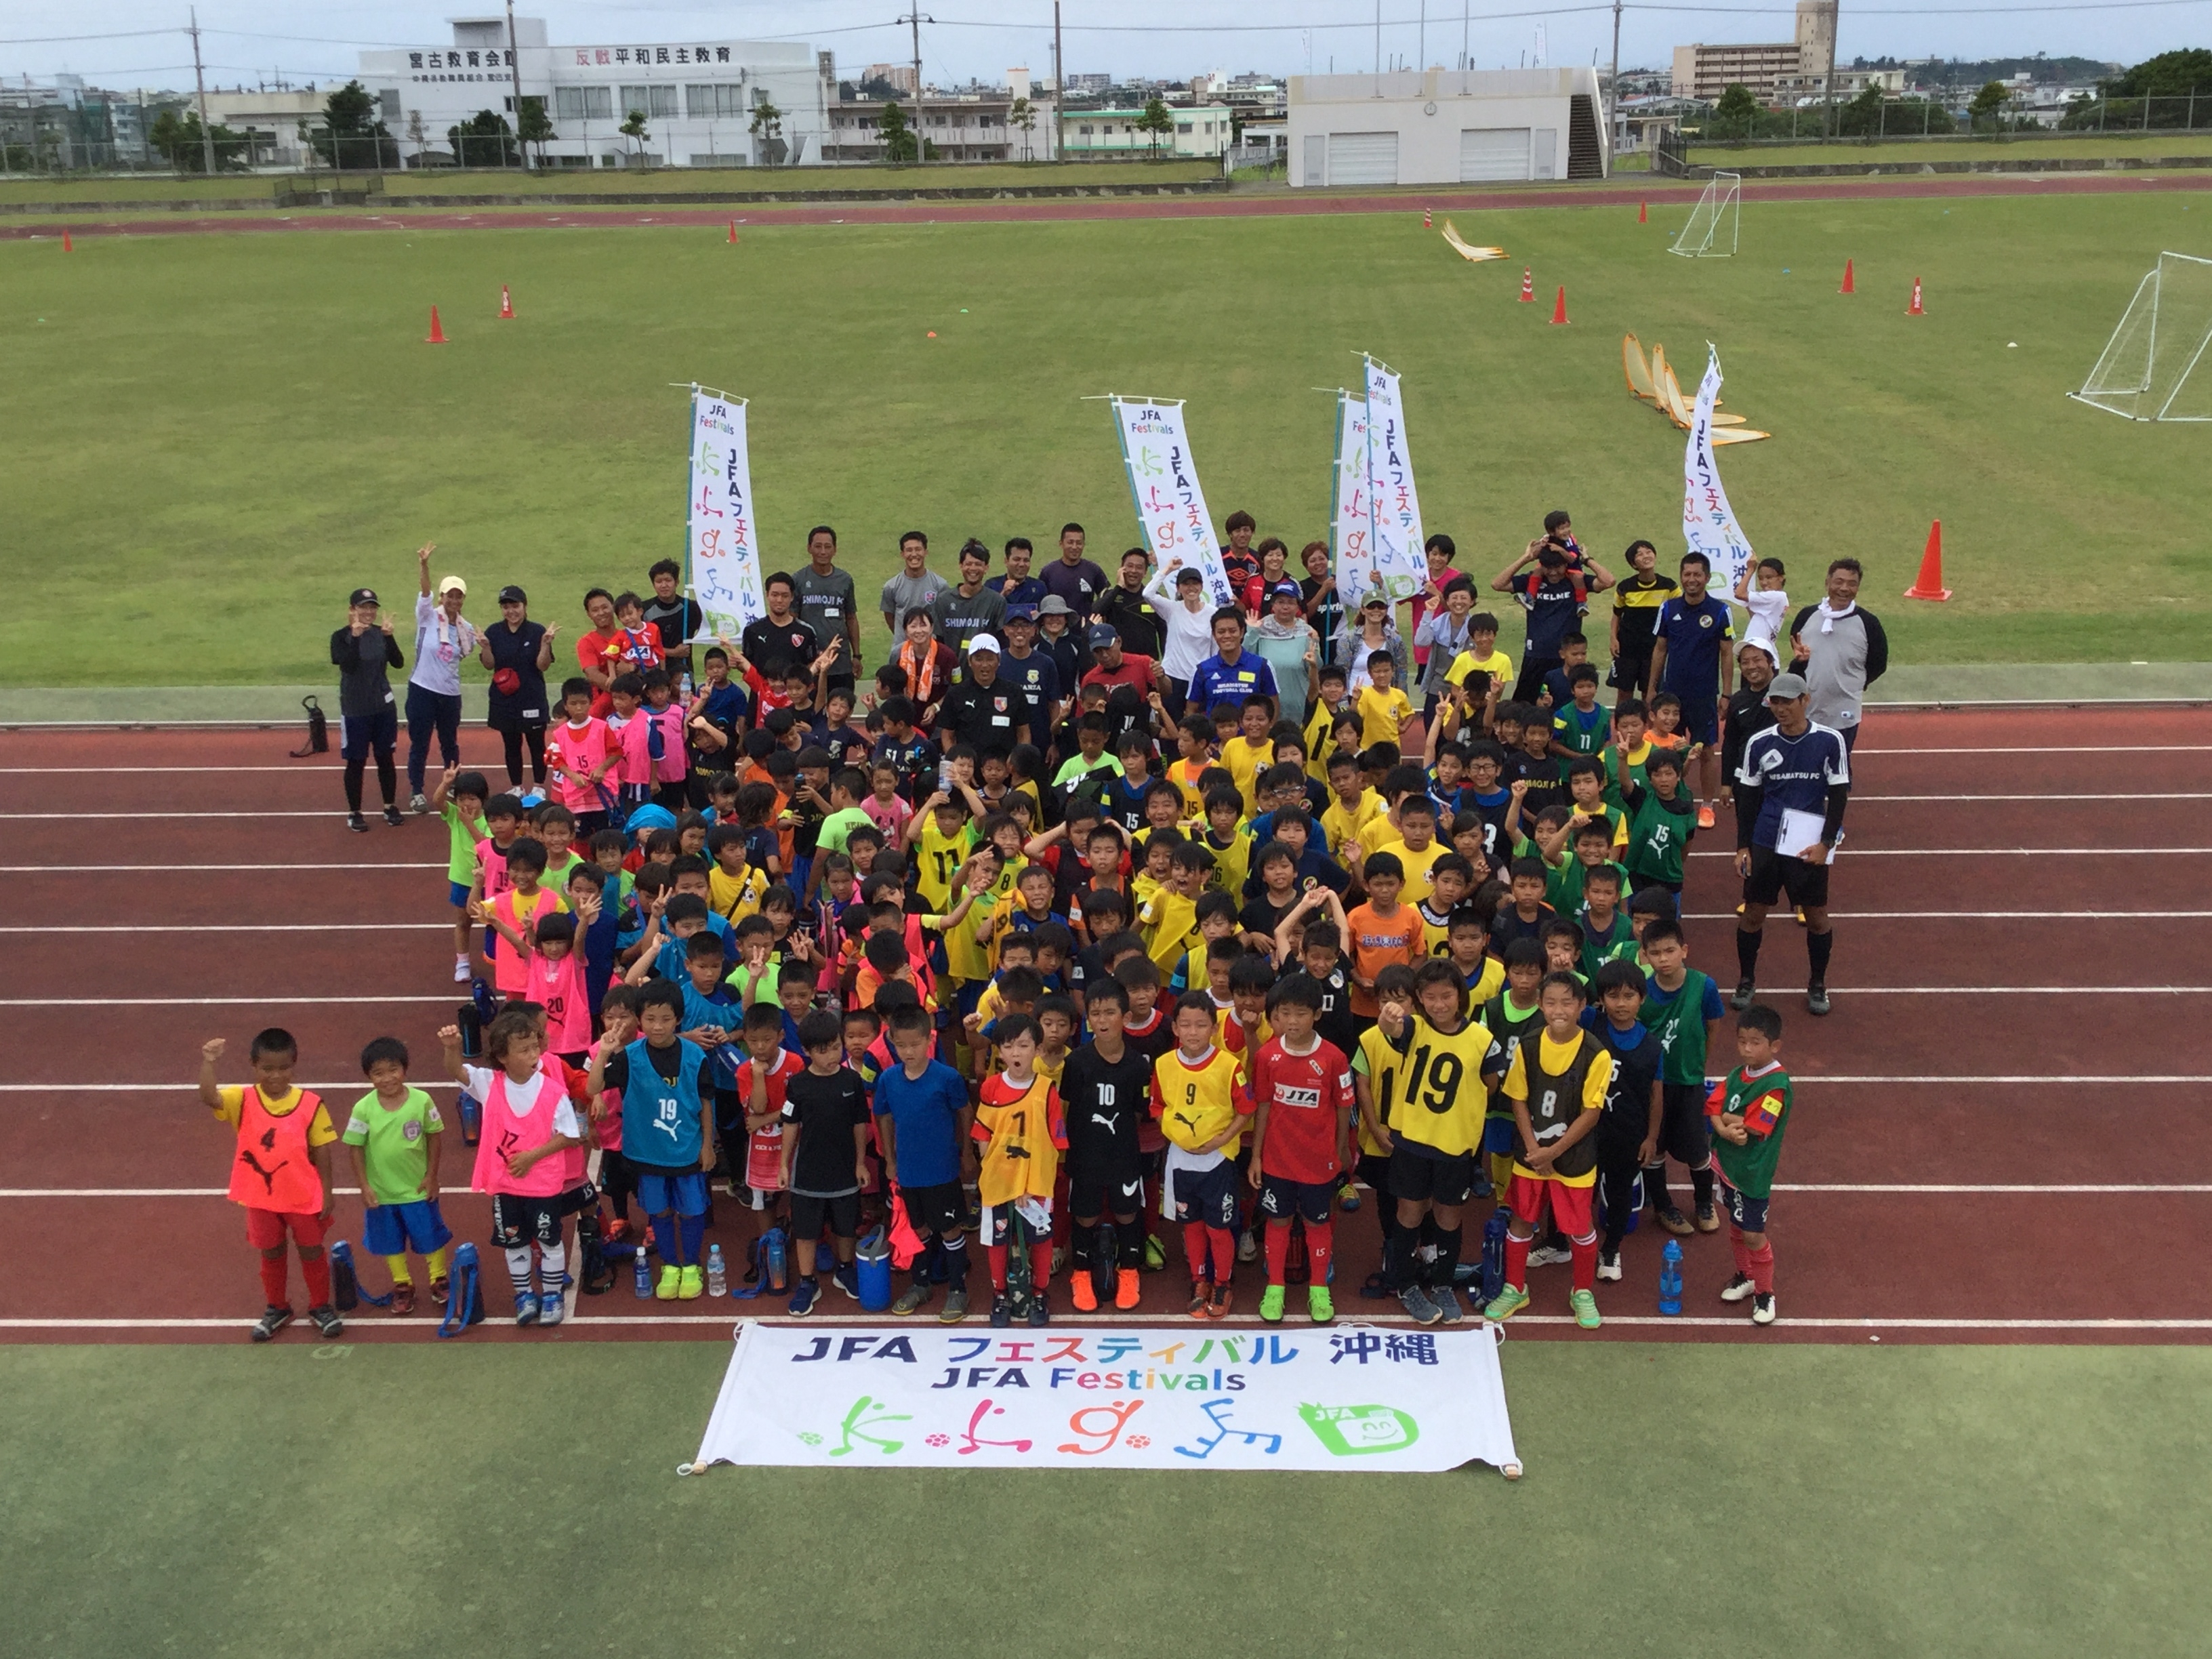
(1041, 1264)
(1321, 1245)
(1083, 1245)
(1441, 1270)
(1193, 1248)
(354, 769)
(1762, 1269)
(996, 1255)
(1742, 1251)
(691, 1232)
(397, 1266)
(518, 1270)
(1279, 1250)
(1585, 1267)
(552, 1262)
(273, 1291)
(1398, 1264)
(1517, 1260)
(1128, 1245)
(1224, 1255)
(956, 1265)
(316, 1270)
(437, 1261)
(664, 1239)
(1701, 1184)
(1655, 1187)
(387, 779)
(1817, 949)
(1747, 953)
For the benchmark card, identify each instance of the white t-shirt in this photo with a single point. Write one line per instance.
(440, 645)
(1768, 606)
(522, 1098)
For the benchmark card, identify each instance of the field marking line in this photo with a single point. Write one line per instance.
(579, 1318)
(2060, 749)
(2022, 1081)
(1908, 1189)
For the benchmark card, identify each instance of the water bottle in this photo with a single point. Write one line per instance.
(718, 1277)
(1670, 1277)
(945, 776)
(644, 1273)
(472, 1120)
(772, 1260)
(1494, 1255)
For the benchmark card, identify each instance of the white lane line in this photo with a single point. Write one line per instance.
(1714, 915)
(2047, 800)
(2038, 749)
(1144, 1321)
(1856, 852)
(1908, 1189)
(195, 869)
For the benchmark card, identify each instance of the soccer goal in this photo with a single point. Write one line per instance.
(1711, 231)
(2148, 368)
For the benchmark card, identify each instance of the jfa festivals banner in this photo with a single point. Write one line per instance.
(1163, 483)
(1399, 563)
(1709, 525)
(1339, 1397)
(725, 539)
(1351, 521)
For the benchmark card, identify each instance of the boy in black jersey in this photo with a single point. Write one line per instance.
(1628, 1132)
(1104, 1091)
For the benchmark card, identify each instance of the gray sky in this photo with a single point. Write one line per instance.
(248, 39)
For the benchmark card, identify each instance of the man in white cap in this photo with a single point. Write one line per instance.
(1790, 791)
(989, 714)
(442, 638)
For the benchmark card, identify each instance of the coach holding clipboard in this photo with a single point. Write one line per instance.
(1790, 791)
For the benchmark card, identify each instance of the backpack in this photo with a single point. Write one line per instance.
(595, 1274)
(464, 1293)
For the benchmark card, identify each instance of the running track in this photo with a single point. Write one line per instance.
(2001, 1132)
(1444, 199)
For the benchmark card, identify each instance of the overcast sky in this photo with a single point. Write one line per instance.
(251, 39)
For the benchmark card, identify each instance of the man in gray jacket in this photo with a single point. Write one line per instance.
(1840, 650)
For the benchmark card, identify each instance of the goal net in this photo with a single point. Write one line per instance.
(1711, 231)
(2148, 368)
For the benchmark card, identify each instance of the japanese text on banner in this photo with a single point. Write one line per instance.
(1351, 525)
(1163, 484)
(725, 538)
(1709, 525)
(1400, 564)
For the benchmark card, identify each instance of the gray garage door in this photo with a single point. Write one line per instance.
(1362, 158)
(1492, 153)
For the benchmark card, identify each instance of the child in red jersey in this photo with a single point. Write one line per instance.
(1301, 1127)
(281, 1173)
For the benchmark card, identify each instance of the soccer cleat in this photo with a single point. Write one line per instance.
(420, 805)
(526, 1309)
(956, 1306)
(1816, 998)
(1745, 989)
(1585, 1306)
(1271, 1304)
(1059, 1258)
(1223, 1300)
(1415, 1300)
(403, 1301)
(1674, 1221)
(1738, 1288)
(357, 823)
(1762, 1308)
(1608, 1265)
(1375, 1287)
(1198, 1298)
(1704, 817)
(1082, 1292)
(1248, 1246)
(1550, 1255)
(1709, 1218)
(690, 1283)
(1040, 1310)
(1508, 1302)
(327, 1320)
(438, 1292)
(551, 1309)
(392, 816)
(1155, 1254)
(460, 971)
(912, 1299)
(272, 1320)
(847, 1278)
(671, 1277)
(1802, 922)
(1002, 1309)
(1447, 1302)
(1321, 1306)
(803, 1296)
(1128, 1288)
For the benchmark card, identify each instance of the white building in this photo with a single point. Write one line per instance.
(270, 122)
(1200, 130)
(1445, 127)
(698, 96)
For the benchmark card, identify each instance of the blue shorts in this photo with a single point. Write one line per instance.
(1746, 1214)
(395, 1229)
(359, 733)
(1701, 718)
(457, 895)
(1498, 1136)
(1208, 1196)
(684, 1194)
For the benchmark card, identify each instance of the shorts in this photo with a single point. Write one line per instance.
(1114, 1187)
(997, 1221)
(1208, 1196)
(941, 1209)
(1281, 1198)
(1571, 1207)
(1683, 1133)
(1431, 1177)
(395, 1229)
(265, 1229)
(808, 1213)
(516, 1219)
(359, 733)
(665, 1194)
(1701, 718)
(1375, 1171)
(458, 893)
(1772, 875)
(1746, 1214)
(1631, 673)
(579, 1198)
(1500, 1134)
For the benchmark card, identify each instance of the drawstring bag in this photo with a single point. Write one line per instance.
(595, 1275)
(319, 730)
(347, 1292)
(463, 1294)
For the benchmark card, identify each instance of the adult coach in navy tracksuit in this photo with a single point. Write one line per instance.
(1796, 766)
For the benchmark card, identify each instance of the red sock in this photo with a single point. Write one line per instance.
(1321, 1245)
(273, 1281)
(1762, 1269)
(1585, 1265)
(1194, 1248)
(1041, 1264)
(316, 1270)
(1279, 1250)
(1225, 1255)
(1517, 1260)
(1742, 1251)
(997, 1256)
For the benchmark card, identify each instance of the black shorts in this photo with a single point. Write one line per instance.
(1281, 1198)
(1208, 1196)
(578, 1199)
(359, 733)
(938, 1210)
(1701, 719)
(1683, 1134)
(1112, 1187)
(842, 1212)
(1445, 1178)
(516, 1220)
(1772, 875)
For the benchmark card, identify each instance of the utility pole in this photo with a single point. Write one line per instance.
(1612, 85)
(1465, 62)
(1059, 81)
(1422, 56)
(915, 20)
(1378, 48)
(199, 80)
(515, 77)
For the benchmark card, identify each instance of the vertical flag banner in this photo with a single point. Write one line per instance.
(1163, 484)
(1400, 564)
(1351, 523)
(724, 537)
(1708, 524)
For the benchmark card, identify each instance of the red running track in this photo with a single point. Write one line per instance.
(2020, 986)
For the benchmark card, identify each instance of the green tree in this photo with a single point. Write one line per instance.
(898, 136)
(2169, 75)
(767, 127)
(1736, 112)
(1021, 115)
(633, 128)
(353, 136)
(485, 140)
(1155, 121)
(531, 126)
(176, 139)
(1986, 112)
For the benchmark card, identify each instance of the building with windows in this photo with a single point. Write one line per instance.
(1012, 123)
(1201, 129)
(1445, 126)
(1773, 70)
(270, 121)
(700, 98)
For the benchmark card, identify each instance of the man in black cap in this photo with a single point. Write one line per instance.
(1032, 671)
(363, 651)
(1790, 790)
(1111, 666)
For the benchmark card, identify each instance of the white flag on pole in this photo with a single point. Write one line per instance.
(1163, 484)
(1352, 520)
(1399, 563)
(724, 536)
(1708, 524)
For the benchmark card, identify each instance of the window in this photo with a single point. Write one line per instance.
(658, 103)
(583, 104)
(1084, 132)
(1183, 126)
(388, 104)
(709, 102)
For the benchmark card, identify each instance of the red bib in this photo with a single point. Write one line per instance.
(273, 1170)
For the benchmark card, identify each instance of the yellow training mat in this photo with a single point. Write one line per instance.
(1682, 409)
(1460, 247)
(1737, 435)
(1637, 372)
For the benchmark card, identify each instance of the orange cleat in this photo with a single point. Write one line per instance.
(1080, 1291)
(1128, 1288)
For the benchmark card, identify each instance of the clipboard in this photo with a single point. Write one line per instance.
(1801, 831)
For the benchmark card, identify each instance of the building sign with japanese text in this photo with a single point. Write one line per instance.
(1163, 483)
(724, 542)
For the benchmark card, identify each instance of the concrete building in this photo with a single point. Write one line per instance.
(1770, 70)
(1445, 126)
(698, 96)
(1200, 129)
(270, 123)
(970, 125)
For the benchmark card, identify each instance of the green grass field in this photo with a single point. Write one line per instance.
(1810, 1500)
(2074, 146)
(209, 431)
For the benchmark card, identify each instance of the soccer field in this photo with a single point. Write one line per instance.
(212, 438)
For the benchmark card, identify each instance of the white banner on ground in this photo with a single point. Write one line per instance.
(1163, 484)
(724, 536)
(1399, 563)
(1337, 1397)
(1351, 520)
(1708, 524)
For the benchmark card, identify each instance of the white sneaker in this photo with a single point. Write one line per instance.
(1738, 1288)
(419, 805)
(1549, 1256)
(460, 971)
(1608, 1267)
(1762, 1308)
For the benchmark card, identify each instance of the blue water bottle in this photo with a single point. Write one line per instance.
(772, 1260)
(1494, 1255)
(644, 1273)
(1670, 1277)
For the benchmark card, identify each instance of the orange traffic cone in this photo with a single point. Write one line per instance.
(1930, 585)
(505, 305)
(68, 246)
(1848, 287)
(1527, 288)
(1427, 223)
(734, 230)
(1643, 212)
(437, 333)
(1914, 310)
(1559, 306)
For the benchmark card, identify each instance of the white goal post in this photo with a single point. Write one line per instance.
(2148, 371)
(1711, 232)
